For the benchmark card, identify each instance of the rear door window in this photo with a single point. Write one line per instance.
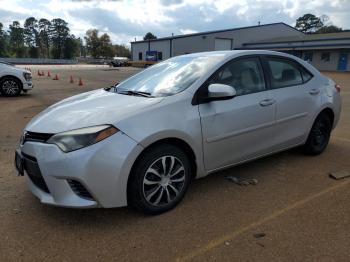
(284, 73)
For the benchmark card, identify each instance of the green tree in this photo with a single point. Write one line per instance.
(98, 46)
(308, 23)
(44, 37)
(71, 47)
(329, 29)
(16, 33)
(59, 33)
(92, 42)
(31, 36)
(105, 48)
(3, 42)
(122, 50)
(149, 36)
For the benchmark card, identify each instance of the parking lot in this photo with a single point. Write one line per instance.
(294, 213)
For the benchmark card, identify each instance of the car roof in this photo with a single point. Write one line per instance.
(231, 53)
(226, 55)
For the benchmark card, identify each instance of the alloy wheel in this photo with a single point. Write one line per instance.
(10, 87)
(163, 181)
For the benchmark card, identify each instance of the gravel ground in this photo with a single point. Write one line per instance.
(294, 213)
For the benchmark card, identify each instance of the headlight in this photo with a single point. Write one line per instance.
(27, 76)
(79, 138)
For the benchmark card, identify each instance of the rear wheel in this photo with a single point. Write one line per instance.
(318, 138)
(159, 179)
(10, 86)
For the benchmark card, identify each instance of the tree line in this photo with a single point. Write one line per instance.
(52, 39)
(99, 46)
(312, 24)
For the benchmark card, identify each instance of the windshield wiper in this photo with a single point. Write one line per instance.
(134, 92)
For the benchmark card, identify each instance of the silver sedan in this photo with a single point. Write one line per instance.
(141, 142)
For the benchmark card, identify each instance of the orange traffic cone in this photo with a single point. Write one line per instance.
(56, 77)
(71, 80)
(48, 74)
(80, 82)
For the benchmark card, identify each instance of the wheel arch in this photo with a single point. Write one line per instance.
(13, 77)
(177, 142)
(329, 112)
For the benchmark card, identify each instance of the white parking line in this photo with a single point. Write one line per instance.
(221, 240)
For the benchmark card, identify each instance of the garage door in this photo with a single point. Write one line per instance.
(223, 44)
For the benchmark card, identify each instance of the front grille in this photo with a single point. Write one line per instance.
(33, 171)
(79, 189)
(36, 137)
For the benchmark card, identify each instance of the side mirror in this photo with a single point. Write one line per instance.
(220, 92)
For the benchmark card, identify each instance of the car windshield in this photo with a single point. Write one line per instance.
(169, 77)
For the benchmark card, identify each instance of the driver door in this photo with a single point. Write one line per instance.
(241, 128)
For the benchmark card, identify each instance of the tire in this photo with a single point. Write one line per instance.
(153, 189)
(319, 135)
(10, 86)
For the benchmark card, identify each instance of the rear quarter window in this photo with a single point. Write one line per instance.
(306, 75)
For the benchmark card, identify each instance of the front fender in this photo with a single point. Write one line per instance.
(196, 145)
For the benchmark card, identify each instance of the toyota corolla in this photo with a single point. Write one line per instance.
(142, 141)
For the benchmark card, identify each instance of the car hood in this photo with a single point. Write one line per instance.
(88, 109)
(9, 67)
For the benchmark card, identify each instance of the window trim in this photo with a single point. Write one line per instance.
(290, 60)
(202, 91)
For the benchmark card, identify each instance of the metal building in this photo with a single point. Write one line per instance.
(228, 39)
(329, 52)
(325, 51)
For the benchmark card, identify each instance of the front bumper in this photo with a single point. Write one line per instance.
(28, 85)
(101, 170)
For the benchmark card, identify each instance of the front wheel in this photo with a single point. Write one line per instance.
(10, 86)
(159, 179)
(318, 138)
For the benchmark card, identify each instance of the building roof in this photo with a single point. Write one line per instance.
(345, 35)
(211, 32)
(339, 40)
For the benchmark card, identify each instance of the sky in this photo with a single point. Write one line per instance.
(125, 20)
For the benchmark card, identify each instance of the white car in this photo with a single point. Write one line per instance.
(14, 80)
(142, 141)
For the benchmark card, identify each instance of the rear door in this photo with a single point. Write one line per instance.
(240, 128)
(296, 97)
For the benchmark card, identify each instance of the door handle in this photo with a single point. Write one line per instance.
(267, 102)
(314, 91)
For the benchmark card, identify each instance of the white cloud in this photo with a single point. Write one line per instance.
(188, 31)
(127, 19)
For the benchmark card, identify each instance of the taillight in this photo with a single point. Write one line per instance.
(338, 87)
